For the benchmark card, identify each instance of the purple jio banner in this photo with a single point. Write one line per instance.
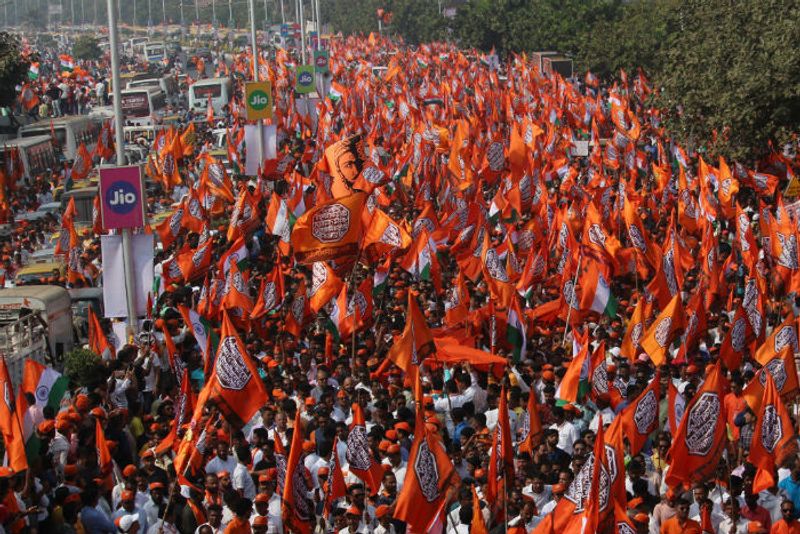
(121, 197)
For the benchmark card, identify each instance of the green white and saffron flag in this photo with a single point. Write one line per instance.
(47, 385)
(515, 331)
(604, 301)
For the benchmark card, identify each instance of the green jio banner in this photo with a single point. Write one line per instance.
(304, 83)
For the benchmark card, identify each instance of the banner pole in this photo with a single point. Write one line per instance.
(127, 243)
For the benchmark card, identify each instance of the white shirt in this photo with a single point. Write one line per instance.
(117, 397)
(168, 528)
(241, 480)
(275, 521)
(215, 465)
(539, 499)
(567, 436)
(726, 524)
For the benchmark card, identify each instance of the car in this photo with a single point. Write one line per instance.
(40, 273)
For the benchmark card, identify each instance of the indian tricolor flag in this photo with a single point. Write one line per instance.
(515, 330)
(45, 384)
(417, 261)
(336, 91)
(67, 63)
(280, 220)
(380, 280)
(596, 287)
(33, 71)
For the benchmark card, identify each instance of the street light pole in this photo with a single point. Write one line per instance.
(127, 247)
(253, 40)
(319, 25)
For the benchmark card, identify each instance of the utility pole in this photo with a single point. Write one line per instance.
(127, 245)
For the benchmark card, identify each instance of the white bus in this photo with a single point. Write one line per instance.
(143, 106)
(154, 52)
(219, 89)
(136, 45)
(68, 133)
(36, 154)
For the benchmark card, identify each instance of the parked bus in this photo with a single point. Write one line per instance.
(69, 133)
(219, 89)
(136, 46)
(143, 106)
(154, 52)
(37, 154)
(84, 204)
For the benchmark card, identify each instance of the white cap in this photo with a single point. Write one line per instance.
(127, 521)
(185, 491)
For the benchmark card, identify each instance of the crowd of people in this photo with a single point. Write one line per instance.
(460, 298)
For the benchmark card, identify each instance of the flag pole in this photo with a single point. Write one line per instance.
(351, 287)
(569, 304)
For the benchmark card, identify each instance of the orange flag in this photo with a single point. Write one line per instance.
(237, 296)
(82, 164)
(416, 342)
(662, 332)
(773, 439)
(325, 285)
(701, 436)
(501, 459)
(633, 334)
(98, 343)
(531, 430)
(384, 236)
(335, 486)
(478, 526)
(640, 418)
(236, 386)
(591, 515)
(330, 231)
(104, 461)
(270, 294)
(783, 336)
(359, 454)
(429, 476)
(297, 511)
(9, 422)
(783, 370)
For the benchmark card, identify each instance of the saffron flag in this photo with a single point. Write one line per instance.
(662, 332)
(236, 387)
(10, 425)
(701, 436)
(331, 231)
(296, 509)
(359, 455)
(773, 438)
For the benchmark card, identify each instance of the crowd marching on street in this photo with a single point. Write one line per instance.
(460, 295)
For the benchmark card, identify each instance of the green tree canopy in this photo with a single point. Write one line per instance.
(86, 47)
(13, 68)
(731, 68)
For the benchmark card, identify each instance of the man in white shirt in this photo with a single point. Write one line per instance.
(538, 491)
(567, 433)
(222, 461)
(733, 523)
(241, 479)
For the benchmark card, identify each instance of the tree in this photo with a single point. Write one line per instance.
(13, 68)
(86, 47)
(730, 68)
